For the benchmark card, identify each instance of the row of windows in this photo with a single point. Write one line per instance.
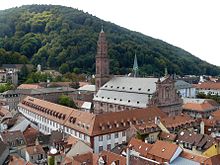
(47, 125)
(109, 146)
(116, 135)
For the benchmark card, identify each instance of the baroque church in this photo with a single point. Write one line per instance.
(117, 93)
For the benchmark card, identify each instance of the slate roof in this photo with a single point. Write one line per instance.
(3, 147)
(130, 91)
(202, 141)
(180, 84)
(87, 88)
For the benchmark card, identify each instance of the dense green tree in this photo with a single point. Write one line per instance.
(63, 38)
(6, 87)
(66, 101)
(23, 74)
(202, 95)
(64, 68)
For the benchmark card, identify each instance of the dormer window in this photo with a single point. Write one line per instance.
(130, 88)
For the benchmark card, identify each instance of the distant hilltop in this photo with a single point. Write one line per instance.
(65, 39)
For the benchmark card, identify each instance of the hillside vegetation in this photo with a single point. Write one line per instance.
(65, 39)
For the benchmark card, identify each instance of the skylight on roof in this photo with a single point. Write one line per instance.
(182, 133)
(163, 149)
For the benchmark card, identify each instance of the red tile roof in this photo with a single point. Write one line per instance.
(209, 85)
(214, 160)
(176, 121)
(89, 158)
(110, 157)
(88, 123)
(167, 136)
(30, 135)
(29, 86)
(16, 160)
(193, 157)
(140, 146)
(35, 150)
(205, 106)
(4, 112)
(164, 150)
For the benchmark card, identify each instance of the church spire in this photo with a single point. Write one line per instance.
(135, 66)
(102, 31)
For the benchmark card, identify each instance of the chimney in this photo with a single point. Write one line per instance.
(202, 129)
(128, 156)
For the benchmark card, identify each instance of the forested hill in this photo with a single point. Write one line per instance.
(66, 39)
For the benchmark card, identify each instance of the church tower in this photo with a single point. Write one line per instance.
(102, 61)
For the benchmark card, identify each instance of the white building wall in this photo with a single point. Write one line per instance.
(46, 126)
(188, 92)
(105, 141)
(208, 91)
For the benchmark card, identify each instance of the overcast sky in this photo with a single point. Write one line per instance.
(193, 25)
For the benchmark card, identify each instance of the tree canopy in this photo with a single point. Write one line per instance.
(65, 39)
(67, 101)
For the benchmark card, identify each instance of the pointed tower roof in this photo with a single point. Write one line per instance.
(102, 31)
(135, 66)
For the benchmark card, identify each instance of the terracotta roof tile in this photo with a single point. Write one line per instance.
(193, 157)
(4, 112)
(30, 135)
(214, 160)
(110, 157)
(16, 160)
(33, 150)
(176, 121)
(167, 136)
(140, 146)
(89, 158)
(29, 86)
(216, 114)
(205, 106)
(88, 123)
(12, 136)
(209, 85)
(163, 149)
